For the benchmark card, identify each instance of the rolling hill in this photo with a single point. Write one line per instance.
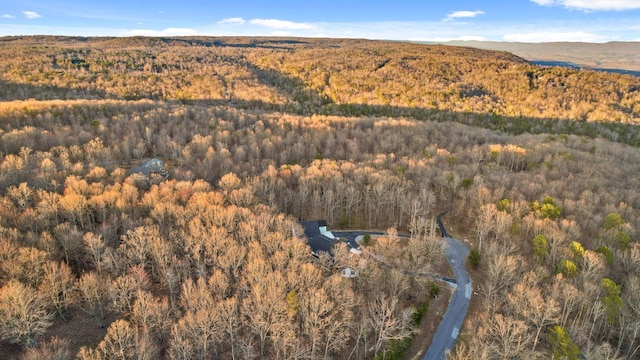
(610, 56)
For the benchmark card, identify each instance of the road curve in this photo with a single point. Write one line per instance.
(351, 237)
(449, 328)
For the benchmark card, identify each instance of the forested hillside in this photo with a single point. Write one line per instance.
(538, 167)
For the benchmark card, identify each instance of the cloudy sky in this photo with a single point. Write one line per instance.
(419, 20)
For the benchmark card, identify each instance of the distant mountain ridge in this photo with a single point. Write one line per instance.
(621, 57)
(578, 67)
(351, 77)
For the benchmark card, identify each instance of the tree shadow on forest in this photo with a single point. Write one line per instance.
(12, 91)
(624, 133)
(265, 43)
(206, 41)
(305, 101)
(291, 88)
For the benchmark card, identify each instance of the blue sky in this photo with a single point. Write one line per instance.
(419, 20)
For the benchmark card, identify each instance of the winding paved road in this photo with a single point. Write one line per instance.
(449, 328)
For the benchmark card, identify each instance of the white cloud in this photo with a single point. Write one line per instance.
(164, 32)
(592, 5)
(31, 14)
(617, 28)
(535, 37)
(463, 14)
(7, 16)
(282, 24)
(234, 21)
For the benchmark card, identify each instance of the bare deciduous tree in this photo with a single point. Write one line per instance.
(151, 314)
(388, 321)
(122, 292)
(229, 313)
(527, 302)
(316, 312)
(485, 222)
(26, 265)
(91, 291)
(24, 314)
(123, 341)
(502, 272)
(507, 336)
(95, 247)
(57, 286)
(196, 295)
(198, 330)
(54, 349)
(266, 308)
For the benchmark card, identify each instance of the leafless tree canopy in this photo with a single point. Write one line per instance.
(537, 167)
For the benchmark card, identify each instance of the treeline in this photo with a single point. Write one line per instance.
(554, 217)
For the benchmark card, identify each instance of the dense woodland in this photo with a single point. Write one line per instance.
(538, 168)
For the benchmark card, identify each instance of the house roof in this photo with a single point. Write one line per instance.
(319, 239)
(316, 240)
(312, 228)
(153, 164)
(321, 243)
(149, 167)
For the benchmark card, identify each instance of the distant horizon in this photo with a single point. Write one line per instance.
(526, 21)
(310, 37)
(614, 56)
